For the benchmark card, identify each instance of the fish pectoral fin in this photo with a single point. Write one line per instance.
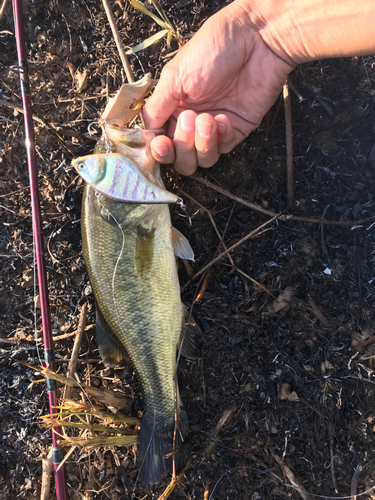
(144, 251)
(190, 337)
(111, 350)
(181, 246)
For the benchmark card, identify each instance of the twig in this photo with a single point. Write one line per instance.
(292, 478)
(47, 465)
(104, 395)
(325, 221)
(42, 122)
(116, 36)
(19, 110)
(294, 88)
(120, 47)
(333, 475)
(325, 104)
(358, 347)
(77, 345)
(288, 142)
(235, 245)
(225, 248)
(324, 247)
(31, 338)
(228, 194)
(173, 484)
(280, 217)
(318, 313)
(206, 491)
(203, 383)
(220, 236)
(354, 482)
(2, 9)
(211, 446)
(203, 288)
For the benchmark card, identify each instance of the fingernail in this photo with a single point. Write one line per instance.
(161, 149)
(222, 128)
(204, 129)
(187, 122)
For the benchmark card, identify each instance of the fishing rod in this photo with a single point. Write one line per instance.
(57, 453)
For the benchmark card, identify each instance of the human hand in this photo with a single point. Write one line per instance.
(214, 92)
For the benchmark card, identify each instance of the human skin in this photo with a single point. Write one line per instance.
(219, 86)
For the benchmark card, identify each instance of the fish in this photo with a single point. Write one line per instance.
(129, 251)
(120, 178)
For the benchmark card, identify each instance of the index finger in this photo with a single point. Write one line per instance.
(162, 103)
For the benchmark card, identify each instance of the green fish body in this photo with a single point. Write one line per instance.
(129, 251)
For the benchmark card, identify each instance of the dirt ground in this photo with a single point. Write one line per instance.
(282, 396)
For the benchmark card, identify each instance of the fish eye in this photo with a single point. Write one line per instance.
(81, 165)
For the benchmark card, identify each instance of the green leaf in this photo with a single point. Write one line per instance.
(148, 42)
(161, 13)
(139, 6)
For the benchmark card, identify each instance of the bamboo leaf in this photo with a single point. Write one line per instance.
(148, 42)
(142, 8)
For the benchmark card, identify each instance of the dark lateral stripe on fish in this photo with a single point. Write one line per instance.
(135, 189)
(116, 177)
(127, 180)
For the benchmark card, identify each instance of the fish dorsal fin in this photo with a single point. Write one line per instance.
(181, 246)
(190, 337)
(111, 350)
(144, 251)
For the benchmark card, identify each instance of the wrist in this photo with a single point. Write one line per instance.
(304, 30)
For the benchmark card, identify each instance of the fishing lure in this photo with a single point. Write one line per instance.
(120, 178)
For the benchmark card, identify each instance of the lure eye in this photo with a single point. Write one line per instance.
(81, 165)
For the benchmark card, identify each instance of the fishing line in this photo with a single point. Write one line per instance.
(107, 141)
(97, 195)
(119, 323)
(83, 390)
(34, 276)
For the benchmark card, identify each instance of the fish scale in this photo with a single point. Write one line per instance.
(143, 310)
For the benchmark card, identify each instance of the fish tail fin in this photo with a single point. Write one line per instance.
(156, 441)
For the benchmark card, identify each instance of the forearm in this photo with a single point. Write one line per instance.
(303, 30)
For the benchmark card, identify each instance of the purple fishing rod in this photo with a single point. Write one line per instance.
(60, 481)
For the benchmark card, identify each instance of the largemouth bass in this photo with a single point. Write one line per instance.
(129, 251)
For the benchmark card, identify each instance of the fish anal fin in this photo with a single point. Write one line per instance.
(181, 246)
(190, 337)
(112, 352)
(144, 251)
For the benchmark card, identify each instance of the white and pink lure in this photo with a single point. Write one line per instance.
(119, 178)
